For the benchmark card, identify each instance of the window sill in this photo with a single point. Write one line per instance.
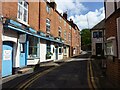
(31, 58)
(60, 53)
(25, 23)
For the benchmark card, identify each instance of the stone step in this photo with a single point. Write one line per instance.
(25, 70)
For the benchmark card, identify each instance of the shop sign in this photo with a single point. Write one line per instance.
(7, 55)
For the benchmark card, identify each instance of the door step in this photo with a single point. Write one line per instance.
(25, 70)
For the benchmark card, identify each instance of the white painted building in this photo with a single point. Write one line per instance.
(98, 39)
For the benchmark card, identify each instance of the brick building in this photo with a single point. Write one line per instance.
(35, 32)
(112, 30)
(0, 38)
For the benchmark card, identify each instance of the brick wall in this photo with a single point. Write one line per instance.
(113, 71)
(10, 9)
(33, 15)
(37, 20)
(113, 68)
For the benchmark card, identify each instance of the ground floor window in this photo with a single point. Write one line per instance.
(48, 50)
(33, 47)
(60, 50)
(65, 50)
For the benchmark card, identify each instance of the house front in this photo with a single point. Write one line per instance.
(98, 39)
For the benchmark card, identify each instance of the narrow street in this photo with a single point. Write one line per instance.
(71, 74)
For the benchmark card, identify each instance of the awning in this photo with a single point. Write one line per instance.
(29, 33)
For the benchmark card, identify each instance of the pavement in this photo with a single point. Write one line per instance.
(63, 75)
(99, 74)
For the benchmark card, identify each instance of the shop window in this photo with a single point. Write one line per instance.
(48, 52)
(48, 47)
(33, 47)
(60, 50)
(65, 50)
(22, 11)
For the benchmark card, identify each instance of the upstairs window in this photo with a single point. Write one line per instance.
(59, 31)
(47, 25)
(65, 35)
(70, 27)
(48, 9)
(97, 34)
(64, 23)
(69, 37)
(22, 11)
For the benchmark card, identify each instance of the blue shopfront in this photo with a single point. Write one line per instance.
(18, 46)
(15, 47)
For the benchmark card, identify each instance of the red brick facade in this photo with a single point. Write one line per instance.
(113, 66)
(37, 15)
(56, 22)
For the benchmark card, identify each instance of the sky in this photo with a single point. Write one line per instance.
(84, 14)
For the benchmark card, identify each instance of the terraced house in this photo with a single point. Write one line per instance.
(112, 30)
(35, 32)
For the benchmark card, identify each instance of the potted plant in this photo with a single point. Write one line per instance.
(48, 55)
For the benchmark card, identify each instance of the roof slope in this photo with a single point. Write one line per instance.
(100, 25)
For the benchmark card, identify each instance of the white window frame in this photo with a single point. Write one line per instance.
(64, 23)
(65, 35)
(111, 49)
(47, 8)
(69, 37)
(47, 24)
(59, 31)
(34, 45)
(23, 8)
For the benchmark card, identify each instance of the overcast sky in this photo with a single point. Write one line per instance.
(79, 11)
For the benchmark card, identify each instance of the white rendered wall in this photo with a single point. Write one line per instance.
(60, 56)
(53, 56)
(42, 51)
(12, 36)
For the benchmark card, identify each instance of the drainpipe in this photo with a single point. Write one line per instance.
(1, 30)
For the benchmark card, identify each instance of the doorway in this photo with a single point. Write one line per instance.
(98, 49)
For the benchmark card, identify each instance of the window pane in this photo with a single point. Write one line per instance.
(25, 5)
(33, 46)
(47, 25)
(48, 47)
(20, 2)
(100, 34)
(25, 15)
(60, 50)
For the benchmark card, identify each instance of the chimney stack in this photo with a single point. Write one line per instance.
(71, 21)
(53, 4)
(65, 15)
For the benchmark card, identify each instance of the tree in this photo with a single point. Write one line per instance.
(86, 39)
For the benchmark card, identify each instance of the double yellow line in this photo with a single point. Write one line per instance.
(34, 78)
(91, 81)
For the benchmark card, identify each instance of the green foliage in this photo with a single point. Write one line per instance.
(48, 55)
(85, 37)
